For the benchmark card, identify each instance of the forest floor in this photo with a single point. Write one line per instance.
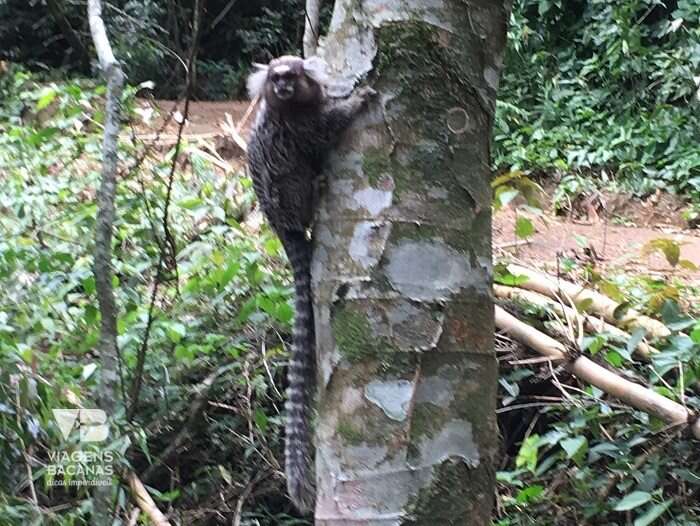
(607, 230)
(611, 239)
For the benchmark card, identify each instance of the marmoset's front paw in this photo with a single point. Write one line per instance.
(365, 93)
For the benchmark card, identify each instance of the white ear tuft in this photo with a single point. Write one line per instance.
(256, 81)
(315, 68)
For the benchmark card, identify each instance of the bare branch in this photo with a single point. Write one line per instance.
(57, 10)
(169, 249)
(145, 502)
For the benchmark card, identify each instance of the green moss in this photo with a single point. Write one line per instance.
(451, 498)
(426, 420)
(455, 238)
(426, 52)
(375, 163)
(367, 427)
(353, 335)
(399, 364)
(350, 433)
(486, 372)
(356, 337)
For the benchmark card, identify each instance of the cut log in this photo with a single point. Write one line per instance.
(587, 370)
(607, 308)
(590, 323)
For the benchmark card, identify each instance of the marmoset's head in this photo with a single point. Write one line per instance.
(289, 81)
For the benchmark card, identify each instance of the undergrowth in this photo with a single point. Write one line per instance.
(223, 305)
(603, 87)
(573, 455)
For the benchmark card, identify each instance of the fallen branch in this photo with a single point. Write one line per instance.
(590, 323)
(232, 130)
(634, 394)
(248, 112)
(172, 138)
(552, 286)
(145, 502)
(134, 517)
(513, 244)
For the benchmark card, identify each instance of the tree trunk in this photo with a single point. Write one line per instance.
(109, 379)
(406, 430)
(311, 27)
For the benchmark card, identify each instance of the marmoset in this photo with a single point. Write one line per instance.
(296, 126)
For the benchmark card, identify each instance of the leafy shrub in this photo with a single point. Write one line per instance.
(594, 85)
(574, 455)
(224, 297)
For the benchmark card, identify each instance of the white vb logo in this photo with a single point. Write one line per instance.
(91, 423)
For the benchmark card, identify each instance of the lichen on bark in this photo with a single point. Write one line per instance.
(402, 269)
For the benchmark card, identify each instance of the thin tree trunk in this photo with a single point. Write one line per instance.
(406, 428)
(311, 27)
(109, 378)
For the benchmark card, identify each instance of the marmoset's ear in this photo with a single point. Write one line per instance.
(315, 68)
(256, 80)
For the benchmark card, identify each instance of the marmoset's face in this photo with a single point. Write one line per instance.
(284, 80)
(289, 84)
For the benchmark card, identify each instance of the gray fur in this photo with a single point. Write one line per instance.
(290, 140)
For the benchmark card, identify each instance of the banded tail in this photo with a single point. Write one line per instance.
(298, 451)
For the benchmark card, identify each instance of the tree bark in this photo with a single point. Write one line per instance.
(406, 428)
(109, 378)
(311, 27)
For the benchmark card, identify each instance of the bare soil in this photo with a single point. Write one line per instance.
(608, 230)
(203, 117)
(603, 243)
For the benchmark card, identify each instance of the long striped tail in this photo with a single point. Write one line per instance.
(298, 450)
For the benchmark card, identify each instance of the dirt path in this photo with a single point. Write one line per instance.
(204, 117)
(611, 245)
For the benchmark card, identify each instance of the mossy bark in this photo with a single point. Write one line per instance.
(406, 427)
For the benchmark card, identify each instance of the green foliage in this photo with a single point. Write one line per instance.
(153, 38)
(596, 86)
(595, 459)
(524, 195)
(224, 296)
